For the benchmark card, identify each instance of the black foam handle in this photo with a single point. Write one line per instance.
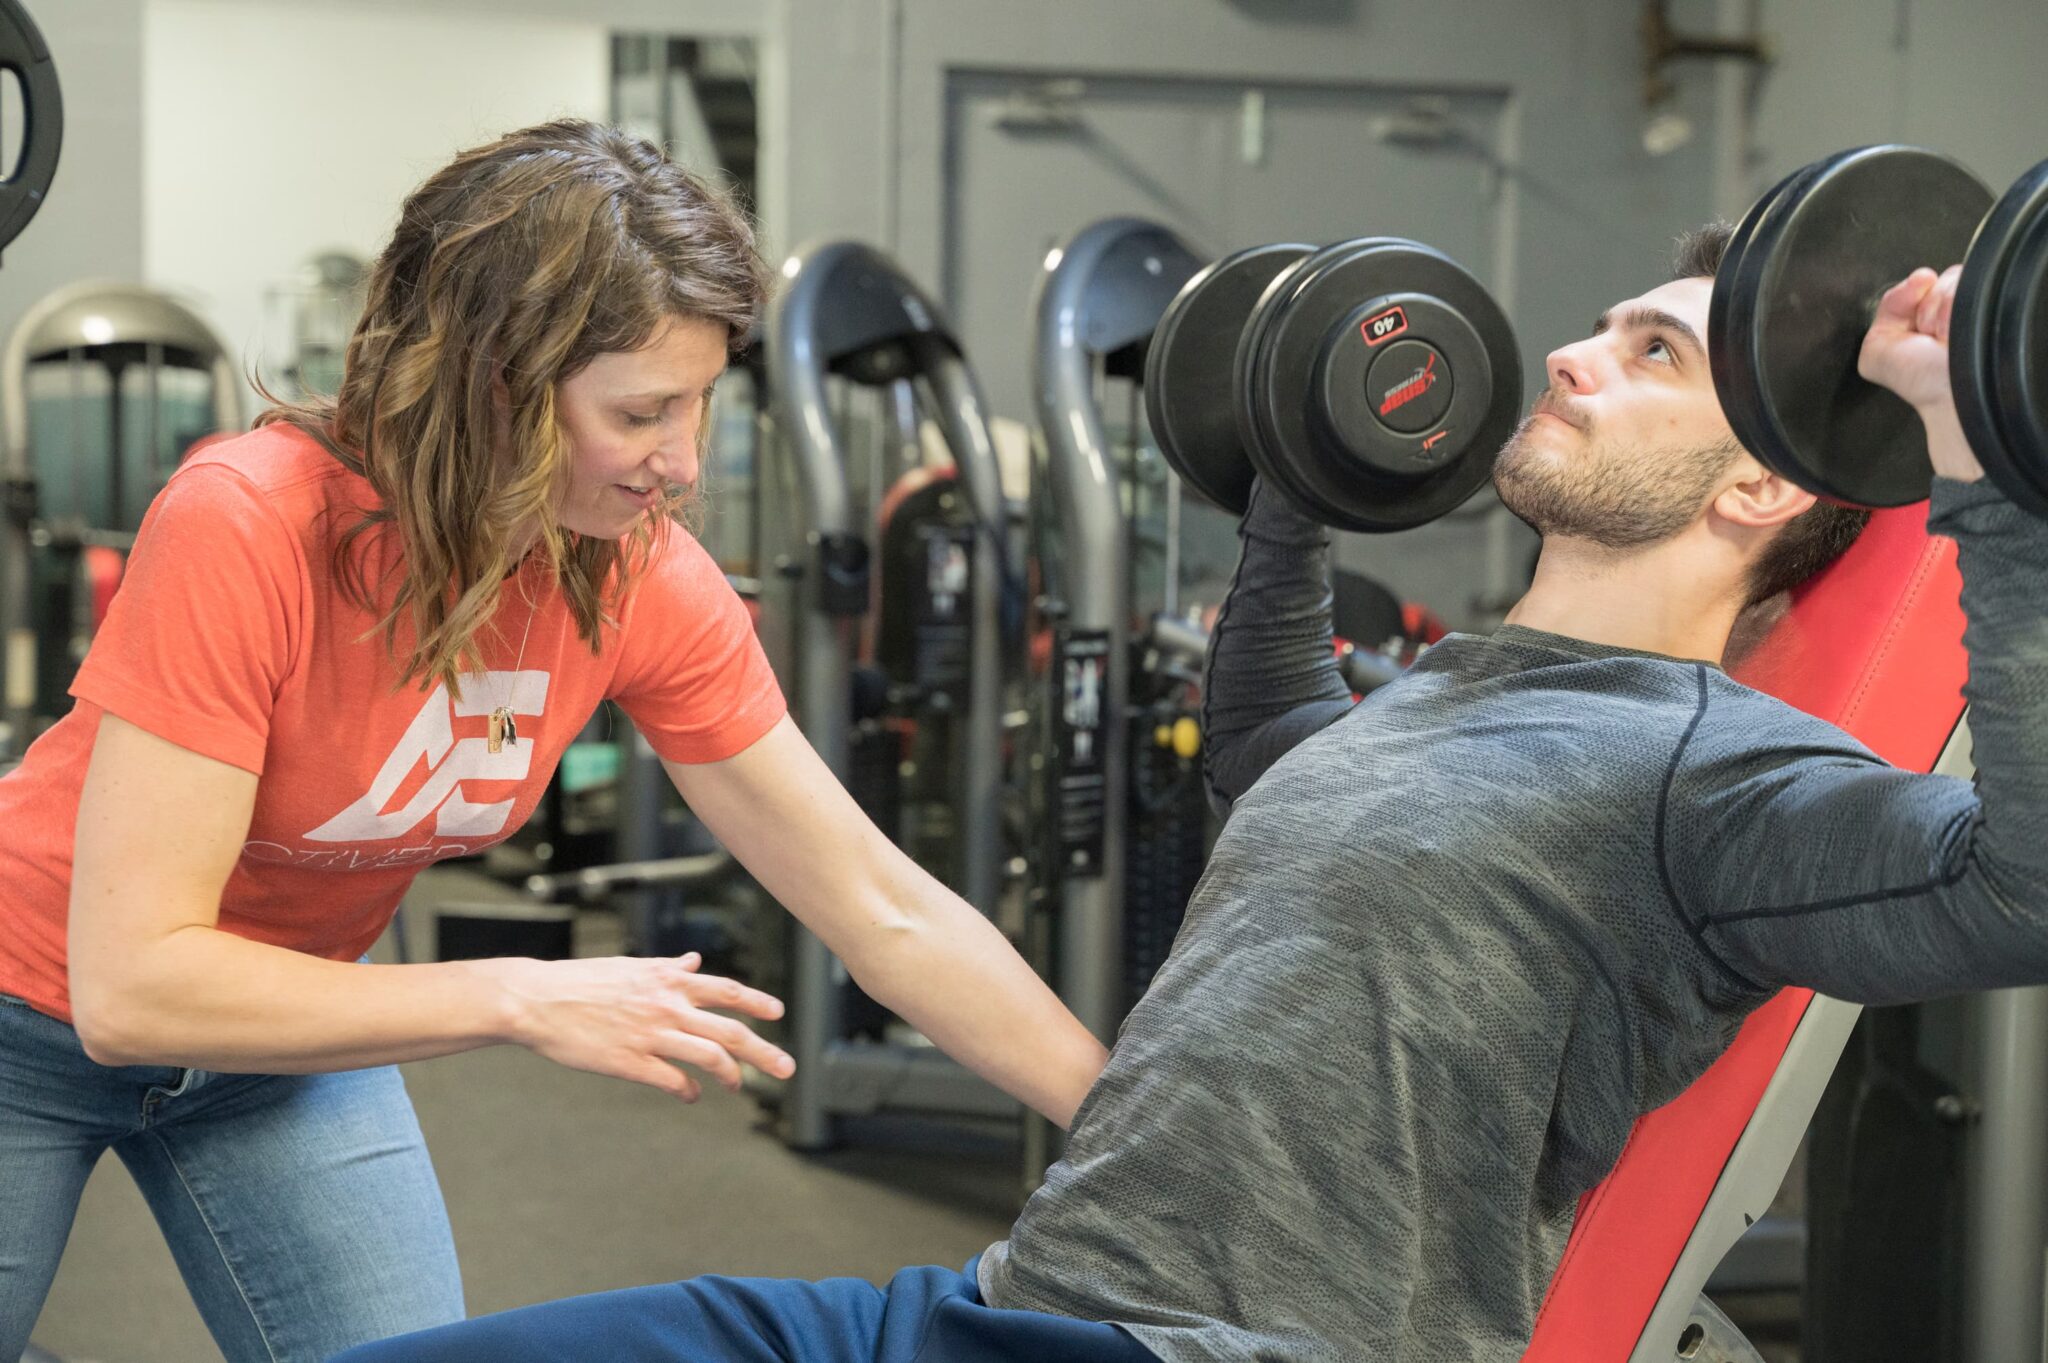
(23, 51)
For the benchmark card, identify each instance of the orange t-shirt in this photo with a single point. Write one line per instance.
(231, 637)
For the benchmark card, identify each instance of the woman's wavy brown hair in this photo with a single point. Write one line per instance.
(511, 269)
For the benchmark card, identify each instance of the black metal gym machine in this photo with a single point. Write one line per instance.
(851, 314)
(1097, 304)
(104, 388)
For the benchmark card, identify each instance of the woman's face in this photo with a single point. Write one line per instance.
(633, 419)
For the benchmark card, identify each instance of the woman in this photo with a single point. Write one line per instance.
(356, 641)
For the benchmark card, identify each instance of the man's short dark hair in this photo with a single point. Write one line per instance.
(1697, 253)
(1810, 541)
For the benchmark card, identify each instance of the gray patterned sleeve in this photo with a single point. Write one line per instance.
(1272, 677)
(1838, 872)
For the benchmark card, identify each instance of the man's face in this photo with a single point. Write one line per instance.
(1627, 444)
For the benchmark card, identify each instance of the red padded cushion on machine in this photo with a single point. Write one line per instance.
(1875, 646)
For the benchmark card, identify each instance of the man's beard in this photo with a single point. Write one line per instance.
(1615, 496)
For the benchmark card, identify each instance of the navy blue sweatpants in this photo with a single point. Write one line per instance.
(924, 1315)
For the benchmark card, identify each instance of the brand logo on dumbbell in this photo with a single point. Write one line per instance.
(1384, 326)
(1410, 388)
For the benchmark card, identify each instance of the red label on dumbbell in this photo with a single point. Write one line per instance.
(1410, 388)
(1384, 326)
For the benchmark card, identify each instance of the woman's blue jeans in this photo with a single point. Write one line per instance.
(301, 1209)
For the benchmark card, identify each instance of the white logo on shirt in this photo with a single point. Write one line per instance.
(430, 738)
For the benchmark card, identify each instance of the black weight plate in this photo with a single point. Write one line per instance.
(1973, 327)
(1734, 365)
(1735, 348)
(1313, 426)
(1309, 359)
(1995, 335)
(2022, 382)
(1250, 342)
(1802, 298)
(1739, 238)
(23, 52)
(1735, 357)
(1188, 394)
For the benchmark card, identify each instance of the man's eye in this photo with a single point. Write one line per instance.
(1656, 345)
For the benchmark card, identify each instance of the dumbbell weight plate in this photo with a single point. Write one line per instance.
(1996, 338)
(2022, 368)
(1736, 368)
(1378, 381)
(23, 51)
(1745, 229)
(1785, 337)
(1188, 394)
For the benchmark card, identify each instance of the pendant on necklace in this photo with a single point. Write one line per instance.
(503, 729)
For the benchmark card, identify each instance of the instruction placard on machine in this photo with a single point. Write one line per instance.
(943, 613)
(1081, 680)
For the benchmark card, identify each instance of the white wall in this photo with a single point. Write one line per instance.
(274, 131)
(1959, 76)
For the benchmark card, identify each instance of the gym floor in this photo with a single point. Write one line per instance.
(560, 1182)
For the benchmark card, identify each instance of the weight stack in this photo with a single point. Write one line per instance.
(875, 774)
(1167, 843)
(875, 780)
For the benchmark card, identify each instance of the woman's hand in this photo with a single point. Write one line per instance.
(914, 946)
(639, 1019)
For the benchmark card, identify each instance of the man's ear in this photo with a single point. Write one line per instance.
(1757, 499)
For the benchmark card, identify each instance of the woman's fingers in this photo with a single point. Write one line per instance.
(657, 1073)
(739, 1040)
(716, 991)
(708, 1056)
(640, 1019)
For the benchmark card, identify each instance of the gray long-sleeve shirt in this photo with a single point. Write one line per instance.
(1454, 940)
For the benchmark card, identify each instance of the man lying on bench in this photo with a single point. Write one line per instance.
(1455, 939)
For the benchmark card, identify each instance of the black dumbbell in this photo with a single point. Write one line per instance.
(1372, 381)
(1799, 286)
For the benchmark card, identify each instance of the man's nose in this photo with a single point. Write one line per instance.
(1574, 368)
